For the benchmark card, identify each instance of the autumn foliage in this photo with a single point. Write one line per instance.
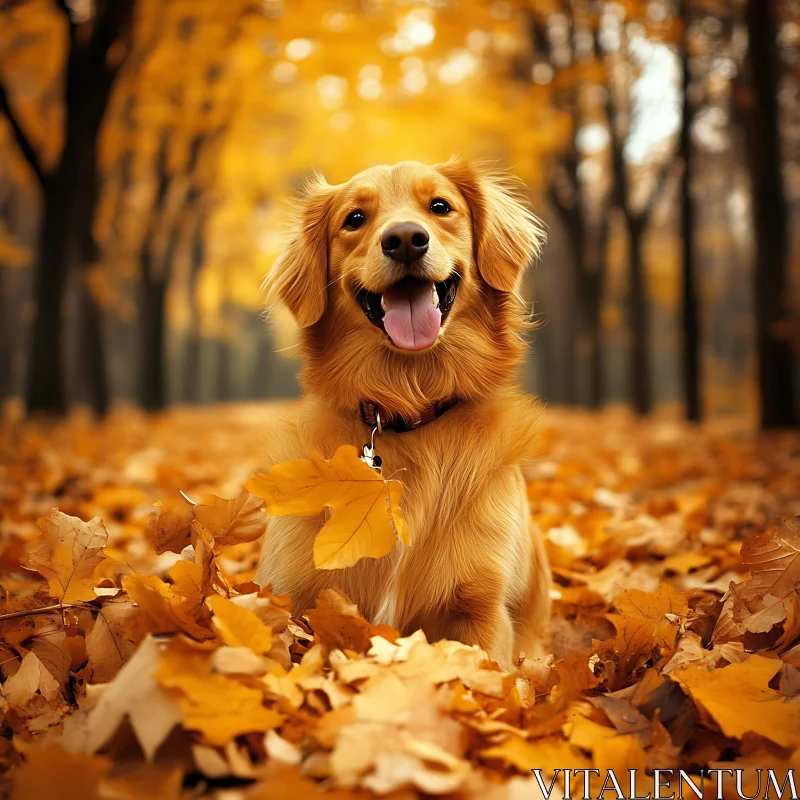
(139, 658)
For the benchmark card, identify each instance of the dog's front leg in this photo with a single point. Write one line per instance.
(477, 616)
(460, 580)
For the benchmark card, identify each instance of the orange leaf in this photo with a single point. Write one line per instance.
(172, 608)
(170, 529)
(50, 771)
(740, 701)
(243, 519)
(238, 626)
(219, 707)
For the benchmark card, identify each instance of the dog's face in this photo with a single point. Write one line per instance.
(404, 280)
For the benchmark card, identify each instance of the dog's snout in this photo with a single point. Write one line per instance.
(405, 241)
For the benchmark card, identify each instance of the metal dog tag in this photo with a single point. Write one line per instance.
(368, 455)
(369, 458)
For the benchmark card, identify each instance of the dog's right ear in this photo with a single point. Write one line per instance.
(299, 276)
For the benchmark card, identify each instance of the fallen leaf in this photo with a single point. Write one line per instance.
(172, 608)
(67, 553)
(231, 522)
(542, 754)
(216, 705)
(170, 529)
(238, 626)
(753, 608)
(134, 695)
(337, 623)
(31, 677)
(739, 700)
(618, 754)
(49, 771)
(112, 641)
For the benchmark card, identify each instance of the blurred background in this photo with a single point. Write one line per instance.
(148, 149)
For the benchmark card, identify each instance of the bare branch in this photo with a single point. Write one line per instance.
(45, 610)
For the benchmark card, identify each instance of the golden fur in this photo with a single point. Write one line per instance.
(475, 571)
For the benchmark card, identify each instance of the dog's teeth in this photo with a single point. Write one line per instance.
(435, 297)
(383, 303)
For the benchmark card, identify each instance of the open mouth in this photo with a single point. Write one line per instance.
(412, 311)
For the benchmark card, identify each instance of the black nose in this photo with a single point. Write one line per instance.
(405, 241)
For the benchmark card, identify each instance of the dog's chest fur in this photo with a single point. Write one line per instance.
(452, 470)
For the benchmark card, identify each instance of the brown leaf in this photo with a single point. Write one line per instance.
(112, 640)
(49, 771)
(170, 529)
(134, 695)
(236, 521)
(754, 608)
(337, 623)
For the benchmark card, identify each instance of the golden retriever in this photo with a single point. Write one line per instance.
(404, 281)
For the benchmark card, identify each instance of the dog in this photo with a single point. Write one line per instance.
(405, 284)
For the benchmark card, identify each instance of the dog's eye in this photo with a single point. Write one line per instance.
(355, 219)
(440, 207)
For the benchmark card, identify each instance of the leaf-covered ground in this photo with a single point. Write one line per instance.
(138, 659)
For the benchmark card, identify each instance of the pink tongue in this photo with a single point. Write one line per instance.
(411, 319)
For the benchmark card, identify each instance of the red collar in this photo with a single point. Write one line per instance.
(397, 423)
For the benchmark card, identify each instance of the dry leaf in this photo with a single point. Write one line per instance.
(31, 677)
(171, 608)
(170, 529)
(766, 599)
(48, 771)
(134, 695)
(756, 709)
(216, 705)
(337, 623)
(239, 627)
(231, 522)
(67, 554)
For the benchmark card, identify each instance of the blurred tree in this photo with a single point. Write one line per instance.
(566, 54)
(777, 361)
(690, 311)
(594, 53)
(63, 161)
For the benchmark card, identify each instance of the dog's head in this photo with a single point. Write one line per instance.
(404, 280)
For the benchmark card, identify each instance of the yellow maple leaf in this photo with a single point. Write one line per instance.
(238, 626)
(366, 519)
(219, 707)
(739, 699)
(67, 554)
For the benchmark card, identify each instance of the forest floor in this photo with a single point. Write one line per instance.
(126, 673)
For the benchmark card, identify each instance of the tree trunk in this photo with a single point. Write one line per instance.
(45, 377)
(153, 322)
(640, 372)
(776, 361)
(591, 279)
(70, 195)
(689, 297)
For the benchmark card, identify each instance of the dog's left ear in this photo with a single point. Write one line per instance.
(507, 236)
(299, 276)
